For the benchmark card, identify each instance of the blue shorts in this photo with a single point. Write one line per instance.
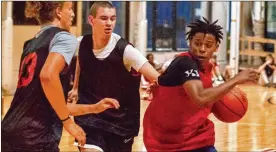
(203, 149)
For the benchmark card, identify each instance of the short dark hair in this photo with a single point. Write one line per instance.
(148, 55)
(205, 26)
(96, 5)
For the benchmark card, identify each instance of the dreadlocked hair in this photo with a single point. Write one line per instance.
(205, 27)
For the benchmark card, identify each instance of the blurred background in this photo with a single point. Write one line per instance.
(158, 28)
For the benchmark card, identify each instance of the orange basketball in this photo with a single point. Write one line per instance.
(232, 107)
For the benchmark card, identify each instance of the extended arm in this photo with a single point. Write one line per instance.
(203, 96)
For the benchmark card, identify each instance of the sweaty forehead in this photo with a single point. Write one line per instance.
(206, 37)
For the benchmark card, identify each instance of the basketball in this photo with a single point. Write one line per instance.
(232, 107)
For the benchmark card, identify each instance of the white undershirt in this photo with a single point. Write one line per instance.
(132, 57)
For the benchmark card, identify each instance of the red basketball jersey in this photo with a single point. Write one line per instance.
(173, 122)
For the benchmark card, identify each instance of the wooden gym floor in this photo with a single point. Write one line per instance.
(255, 132)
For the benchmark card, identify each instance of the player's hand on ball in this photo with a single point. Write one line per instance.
(106, 103)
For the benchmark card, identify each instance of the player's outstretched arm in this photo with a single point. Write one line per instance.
(149, 72)
(203, 96)
(83, 109)
(137, 61)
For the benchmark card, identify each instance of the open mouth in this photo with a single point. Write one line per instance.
(201, 57)
(108, 29)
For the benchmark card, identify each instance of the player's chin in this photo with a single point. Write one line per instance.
(204, 60)
(107, 33)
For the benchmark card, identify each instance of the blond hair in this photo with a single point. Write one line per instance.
(43, 12)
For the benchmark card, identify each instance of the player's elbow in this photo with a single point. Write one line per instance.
(46, 75)
(200, 101)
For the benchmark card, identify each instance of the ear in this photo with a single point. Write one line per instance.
(91, 20)
(58, 12)
(217, 47)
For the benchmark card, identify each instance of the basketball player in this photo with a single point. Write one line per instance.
(106, 68)
(38, 110)
(176, 119)
(151, 61)
(145, 83)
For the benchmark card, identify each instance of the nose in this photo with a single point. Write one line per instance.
(108, 22)
(73, 14)
(202, 49)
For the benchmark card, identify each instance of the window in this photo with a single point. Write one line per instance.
(120, 22)
(19, 14)
(167, 23)
(270, 23)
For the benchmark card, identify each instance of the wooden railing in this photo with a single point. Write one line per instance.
(253, 52)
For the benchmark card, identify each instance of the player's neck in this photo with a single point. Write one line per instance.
(100, 41)
(53, 23)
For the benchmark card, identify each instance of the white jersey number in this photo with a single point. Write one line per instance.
(192, 73)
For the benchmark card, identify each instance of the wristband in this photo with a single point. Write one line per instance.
(66, 119)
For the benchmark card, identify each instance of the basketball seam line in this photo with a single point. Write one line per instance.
(231, 110)
(240, 101)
